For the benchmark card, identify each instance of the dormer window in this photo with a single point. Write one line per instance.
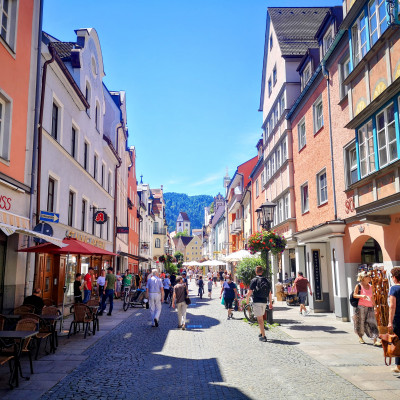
(305, 76)
(327, 40)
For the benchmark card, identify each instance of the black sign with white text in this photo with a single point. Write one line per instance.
(317, 275)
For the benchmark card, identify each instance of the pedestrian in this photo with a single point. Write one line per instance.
(126, 280)
(78, 288)
(221, 277)
(209, 275)
(242, 288)
(229, 290)
(210, 285)
(364, 316)
(87, 285)
(179, 299)
(394, 310)
(155, 293)
(260, 291)
(190, 275)
(110, 286)
(138, 279)
(201, 287)
(214, 277)
(184, 279)
(119, 285)
(301, 284)
(172, 278)
(167, 286)
(101, 281)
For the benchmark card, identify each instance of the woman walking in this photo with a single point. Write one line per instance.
(229, 290)
(179, 299)
(364, 317)
(394, 309)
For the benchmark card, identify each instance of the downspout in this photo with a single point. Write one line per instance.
(325, 72)
(35, 138)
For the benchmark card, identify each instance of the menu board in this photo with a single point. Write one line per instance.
(317, 275)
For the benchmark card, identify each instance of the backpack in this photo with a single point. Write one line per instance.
(262, 289)
(352, 299)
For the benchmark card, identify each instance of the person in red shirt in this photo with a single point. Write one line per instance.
(87, 284)
(301, 285)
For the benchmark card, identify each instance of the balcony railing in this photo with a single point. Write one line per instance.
(236, 226)
(159, 231)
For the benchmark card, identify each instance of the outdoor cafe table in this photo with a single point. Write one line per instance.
(19, 337)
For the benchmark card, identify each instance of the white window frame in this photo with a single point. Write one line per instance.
(318, 120)
(274, 75)
(305, 202)
(262, 179)
(73, 222)
(5, 125)
(327, 40)
(269, 87)
(384, 142)
(278, 157)
(359, 49)
(322, 190)
(257, 188)
(284, 150)
(305, 75)
(351, 165)
(381, 25)
(8, 34)
(344, 71)
(282, 104)
(301, 133)
(366, 156)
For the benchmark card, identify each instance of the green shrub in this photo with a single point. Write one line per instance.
(246, 270)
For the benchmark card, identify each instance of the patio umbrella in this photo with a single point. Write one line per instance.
(238, 256)
(215, 263)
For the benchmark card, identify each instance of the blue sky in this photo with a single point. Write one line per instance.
(192, 75)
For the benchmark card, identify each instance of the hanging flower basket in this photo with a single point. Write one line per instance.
(266, 241)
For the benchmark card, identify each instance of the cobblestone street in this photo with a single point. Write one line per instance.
(214, 358)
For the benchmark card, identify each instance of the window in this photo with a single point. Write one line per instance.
(269, 87)
(351, 165)
(8, 21)
(158, 243)
(71, 198)
(304, 198)
(268, 169)
(276, 114)
(322, 188)
(271, 42)
(262, 179)
(274, 75)
(97, 117)
(278, 157)
(305, 76)
(84, 210)
(109, 182)
(282, 104)
(272, 164)
(73, 142)
(301, 131)
(359, 39)
(95, 161)
(87, 96)
(257, 189)
(327, 40)
(284, 151)
(286, 213)
(386, 132)
(318, 115)
(366, 149)
(5, 127)
(103, 168)
(85, 156)
(54, 121)
(377, 19)
(51, 194)
(344, 70)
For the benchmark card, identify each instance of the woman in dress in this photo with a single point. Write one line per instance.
(364, 316)
(394, 309)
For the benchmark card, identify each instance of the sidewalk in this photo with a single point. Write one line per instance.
(50, 369)
(334, 344)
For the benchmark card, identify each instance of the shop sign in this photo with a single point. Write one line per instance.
(5, 202)
(86, 239)
(317, 275)
(100, 217)
(49, 216)
(122, 229)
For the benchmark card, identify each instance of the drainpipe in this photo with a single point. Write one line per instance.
(325, 72)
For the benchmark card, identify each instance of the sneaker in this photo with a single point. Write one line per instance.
(307, 313)
(263, 339)
(156, 322)
(109, 313)
(361, 340)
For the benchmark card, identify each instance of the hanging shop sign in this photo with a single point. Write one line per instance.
(100, 217)
(317, 275)
(122, 229)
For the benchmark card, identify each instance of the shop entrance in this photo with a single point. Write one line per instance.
(371, 252)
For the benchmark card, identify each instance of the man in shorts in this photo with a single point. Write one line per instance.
(260, 290)
(301, 284)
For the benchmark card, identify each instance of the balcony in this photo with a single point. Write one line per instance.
(236, 226)
(234, 204)
(159, 231)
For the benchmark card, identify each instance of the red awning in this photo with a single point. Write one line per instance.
(74, 246)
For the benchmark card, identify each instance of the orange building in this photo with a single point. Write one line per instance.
(18, 60)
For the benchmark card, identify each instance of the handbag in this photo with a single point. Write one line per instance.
(187, 300)
(390, 345)
(352, 299)
(223, 301)
(236, 307)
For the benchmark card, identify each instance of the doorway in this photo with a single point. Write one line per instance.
(371, 252)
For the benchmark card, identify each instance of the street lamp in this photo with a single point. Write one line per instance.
(265, 216)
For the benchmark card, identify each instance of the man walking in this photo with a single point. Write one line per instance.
(301, 285)
(110, 286)
(155, 292)
(87, 285)
(260, 290)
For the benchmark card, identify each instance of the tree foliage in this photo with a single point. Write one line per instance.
(184, 233)
(171, 268)
(246, 269)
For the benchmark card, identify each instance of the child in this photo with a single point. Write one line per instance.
(210, 285)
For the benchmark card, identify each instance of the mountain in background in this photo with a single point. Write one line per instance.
(193, 206)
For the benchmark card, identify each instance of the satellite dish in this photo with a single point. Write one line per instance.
(43, 228)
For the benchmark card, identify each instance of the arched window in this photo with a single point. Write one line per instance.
(371, 252)
(158, 243)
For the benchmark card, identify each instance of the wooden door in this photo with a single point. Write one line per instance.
(47, 276)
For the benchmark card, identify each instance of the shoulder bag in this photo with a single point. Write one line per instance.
(352, 299)
(390, 345)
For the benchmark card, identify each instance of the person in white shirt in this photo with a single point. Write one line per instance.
(167, 286)
(155, 292)
(209, 275)
(215, 275)
(101, 281)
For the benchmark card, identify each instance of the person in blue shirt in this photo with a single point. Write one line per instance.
(229, 290)
(394, 309)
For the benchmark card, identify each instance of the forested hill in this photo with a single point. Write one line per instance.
(193, 206)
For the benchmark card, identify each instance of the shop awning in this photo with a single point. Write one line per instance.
(10, 229)
(133, 256)
(70, 246)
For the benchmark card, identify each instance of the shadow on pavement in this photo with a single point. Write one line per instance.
(283, 342)
(328, 329)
